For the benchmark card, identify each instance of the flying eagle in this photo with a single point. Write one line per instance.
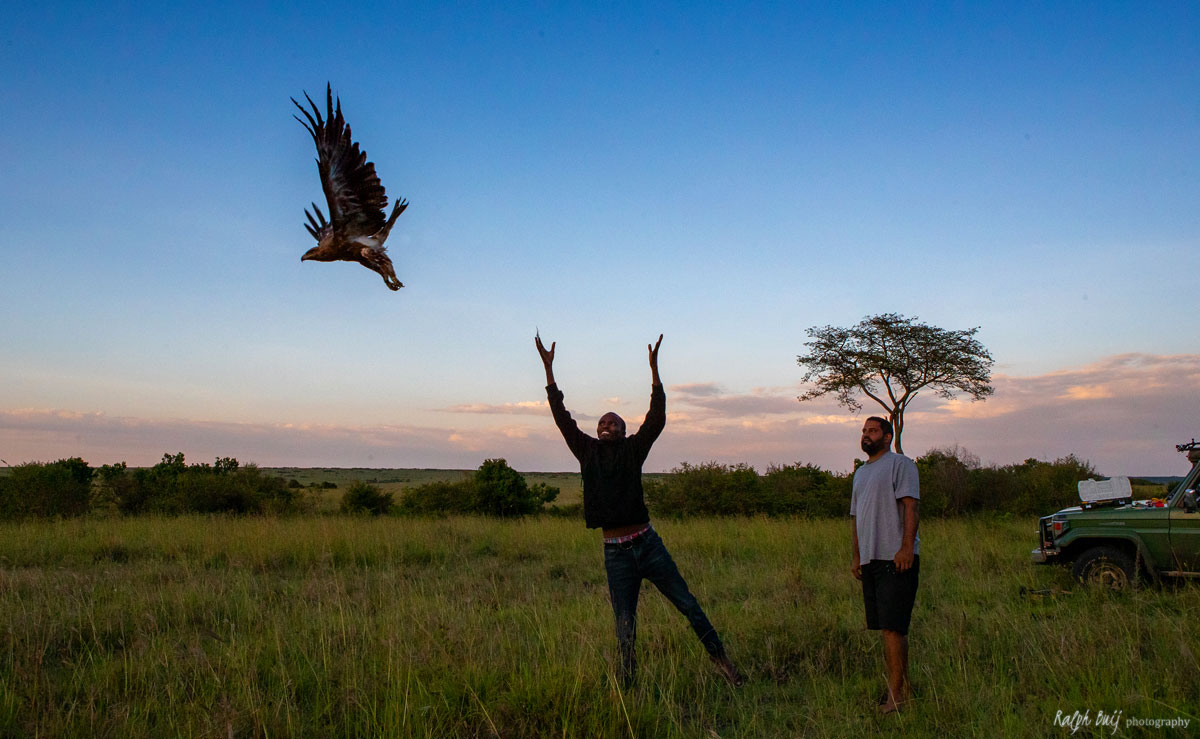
(356, 228)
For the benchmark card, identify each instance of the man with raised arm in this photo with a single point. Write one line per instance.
(611, 466)
(883, 539)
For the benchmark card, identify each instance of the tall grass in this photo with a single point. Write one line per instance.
(326, 626)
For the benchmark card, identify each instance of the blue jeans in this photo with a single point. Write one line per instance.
(647, 558)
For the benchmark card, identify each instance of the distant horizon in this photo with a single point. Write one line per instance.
(1157, 479)
(1045, 417)
(1148, 478)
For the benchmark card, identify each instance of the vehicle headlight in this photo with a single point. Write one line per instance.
(1059, 526)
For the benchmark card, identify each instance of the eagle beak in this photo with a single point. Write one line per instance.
(308, 254)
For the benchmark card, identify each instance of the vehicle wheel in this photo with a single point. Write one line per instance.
(1105, 567)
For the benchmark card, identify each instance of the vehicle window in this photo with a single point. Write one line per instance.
(1147, 490)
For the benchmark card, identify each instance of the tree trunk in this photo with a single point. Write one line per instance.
(897, 418)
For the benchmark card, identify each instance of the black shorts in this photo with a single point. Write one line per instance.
(889, 595)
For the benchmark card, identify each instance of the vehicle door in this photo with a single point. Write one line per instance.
(1185, 528)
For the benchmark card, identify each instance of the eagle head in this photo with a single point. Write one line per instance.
(322, 252)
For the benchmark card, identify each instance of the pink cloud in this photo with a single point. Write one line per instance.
(1123, 413)
(521, 407)
(1088, 392)
(713, 398)
(697, 390)
(42, 435)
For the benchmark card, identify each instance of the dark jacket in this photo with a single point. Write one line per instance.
(612, 470)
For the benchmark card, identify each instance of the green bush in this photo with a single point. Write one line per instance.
(545, 493)
(708, 489)
(502, 491)
(713, 489)
(807, 490)
(110, 485)
(172, 486)
(494, 490)
(438, 497)
(991, 489)
(1044, 487)
(945, 482)
(36, 489)
(953, 484)
(363, 497)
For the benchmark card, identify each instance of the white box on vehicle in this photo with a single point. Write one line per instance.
(1114, 488)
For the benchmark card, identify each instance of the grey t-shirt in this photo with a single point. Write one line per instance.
(876, 507)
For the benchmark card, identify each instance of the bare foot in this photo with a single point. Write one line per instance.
(889, 705)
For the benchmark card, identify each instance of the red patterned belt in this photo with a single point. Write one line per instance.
(626, 537)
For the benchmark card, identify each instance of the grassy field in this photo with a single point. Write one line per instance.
(340, 626)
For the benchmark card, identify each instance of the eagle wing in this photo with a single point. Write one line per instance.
(353, 192)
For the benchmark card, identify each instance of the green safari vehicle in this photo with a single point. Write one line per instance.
(1117, 542)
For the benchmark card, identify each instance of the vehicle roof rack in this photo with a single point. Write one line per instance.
(1190, 446)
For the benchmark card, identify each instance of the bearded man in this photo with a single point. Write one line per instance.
(883, 536)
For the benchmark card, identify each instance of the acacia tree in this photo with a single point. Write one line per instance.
(889, 358)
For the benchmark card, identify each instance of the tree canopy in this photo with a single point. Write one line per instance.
(889, 358)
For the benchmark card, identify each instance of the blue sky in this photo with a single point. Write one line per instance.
(728, 176)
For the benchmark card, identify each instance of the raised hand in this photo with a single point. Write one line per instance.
(654, 361)
(547, 357)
